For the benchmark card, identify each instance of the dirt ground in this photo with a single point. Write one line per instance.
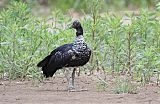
(53, 91)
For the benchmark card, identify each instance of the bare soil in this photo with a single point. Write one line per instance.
(53, 91)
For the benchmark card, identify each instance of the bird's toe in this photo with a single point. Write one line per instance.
(71, 89)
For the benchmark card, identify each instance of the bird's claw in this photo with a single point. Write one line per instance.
(71, 89)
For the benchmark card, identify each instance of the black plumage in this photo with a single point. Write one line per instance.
(68, 55)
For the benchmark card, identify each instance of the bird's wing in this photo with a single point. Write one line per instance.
(61, 56)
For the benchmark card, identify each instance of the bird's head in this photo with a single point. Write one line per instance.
(76, 24)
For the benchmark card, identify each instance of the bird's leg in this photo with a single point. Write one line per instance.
(73, 76)
(71, 80)
(70, 74)
(67, 74)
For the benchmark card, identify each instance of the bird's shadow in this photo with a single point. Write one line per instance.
(52, 90)
(61, 90)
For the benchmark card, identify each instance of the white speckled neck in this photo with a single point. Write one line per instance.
(79, 44)
(79, 39)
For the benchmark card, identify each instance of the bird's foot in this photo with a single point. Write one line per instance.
(71, 89)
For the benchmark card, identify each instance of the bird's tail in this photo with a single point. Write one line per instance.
(48, 71)
(43, 62)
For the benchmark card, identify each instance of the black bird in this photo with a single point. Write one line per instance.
(68, 55)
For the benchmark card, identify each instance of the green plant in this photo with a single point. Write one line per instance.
(125, 86)
(25, 39)
(102, 84)
(158, 6)
(113, 39)
(92, 26)
(18, 38)
(116, 48)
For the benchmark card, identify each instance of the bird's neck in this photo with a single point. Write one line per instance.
(79, 31)
(79, 42)
(79, 39)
